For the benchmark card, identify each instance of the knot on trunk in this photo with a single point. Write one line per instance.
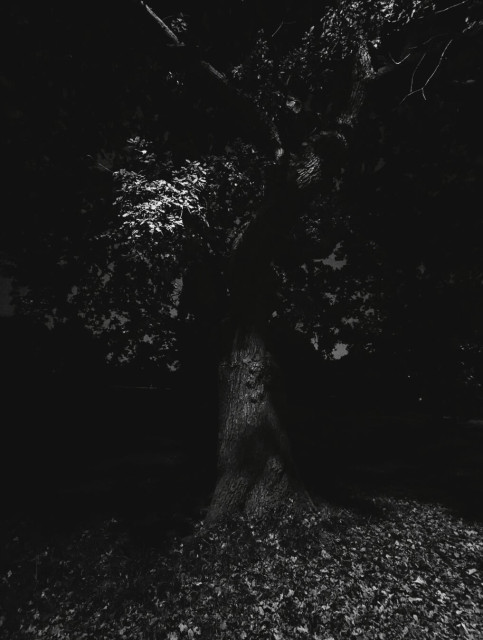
(323, 156)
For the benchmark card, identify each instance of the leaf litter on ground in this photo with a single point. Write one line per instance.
(408, 570)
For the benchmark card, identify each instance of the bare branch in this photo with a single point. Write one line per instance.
(411, 86)
(431, 76)
(170, 34)
(453, 6)
(397, 62)
(213, 72)
(246, 109)
(435, 37)
(99, 164)
(440, 61)
(411, 93)
(282, 24)
(277, 30)
(416, 47)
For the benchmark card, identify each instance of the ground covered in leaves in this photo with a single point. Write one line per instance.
(401, 569)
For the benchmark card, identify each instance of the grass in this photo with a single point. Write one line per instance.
(398, 569)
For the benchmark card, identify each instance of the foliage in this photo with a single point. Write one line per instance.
(402, 570)
(135, 272)
(169, 221)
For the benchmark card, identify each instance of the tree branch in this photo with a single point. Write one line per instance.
(322, 160)
(258, 121)
(362, 74)
(428, 80)
(453, 6)
(167, 31)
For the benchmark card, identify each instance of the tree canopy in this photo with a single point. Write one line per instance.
(156, 151)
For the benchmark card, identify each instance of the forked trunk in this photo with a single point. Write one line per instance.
(255, 470)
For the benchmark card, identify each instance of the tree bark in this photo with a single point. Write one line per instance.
(256, 471)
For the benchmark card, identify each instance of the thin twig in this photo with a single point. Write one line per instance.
(103, 166)
(99, 164)
(428, 80)
(277, 29)
(414, 72)
(400, 61)
(411, 93)
(440, 61)
(411, 90)
(421, 44)
(453, 6)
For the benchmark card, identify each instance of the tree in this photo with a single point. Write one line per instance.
(225, 229)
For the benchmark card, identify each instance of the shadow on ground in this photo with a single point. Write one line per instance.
(414, 455)
(70, 462)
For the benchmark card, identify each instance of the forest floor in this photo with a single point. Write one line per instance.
(391, 553)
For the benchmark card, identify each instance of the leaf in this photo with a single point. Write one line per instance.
(303, 629)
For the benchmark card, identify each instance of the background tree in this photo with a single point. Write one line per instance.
(318, 132)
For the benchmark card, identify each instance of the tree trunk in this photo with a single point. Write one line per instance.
(256, 471)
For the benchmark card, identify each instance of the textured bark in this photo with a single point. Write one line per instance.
(256, 471)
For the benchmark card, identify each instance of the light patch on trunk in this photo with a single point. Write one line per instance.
(177, 289)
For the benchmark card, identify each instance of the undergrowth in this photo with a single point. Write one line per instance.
(407, 570)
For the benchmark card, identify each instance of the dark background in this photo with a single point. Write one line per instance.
(80, 437)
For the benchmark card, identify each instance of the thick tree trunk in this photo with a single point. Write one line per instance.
(256, 472)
